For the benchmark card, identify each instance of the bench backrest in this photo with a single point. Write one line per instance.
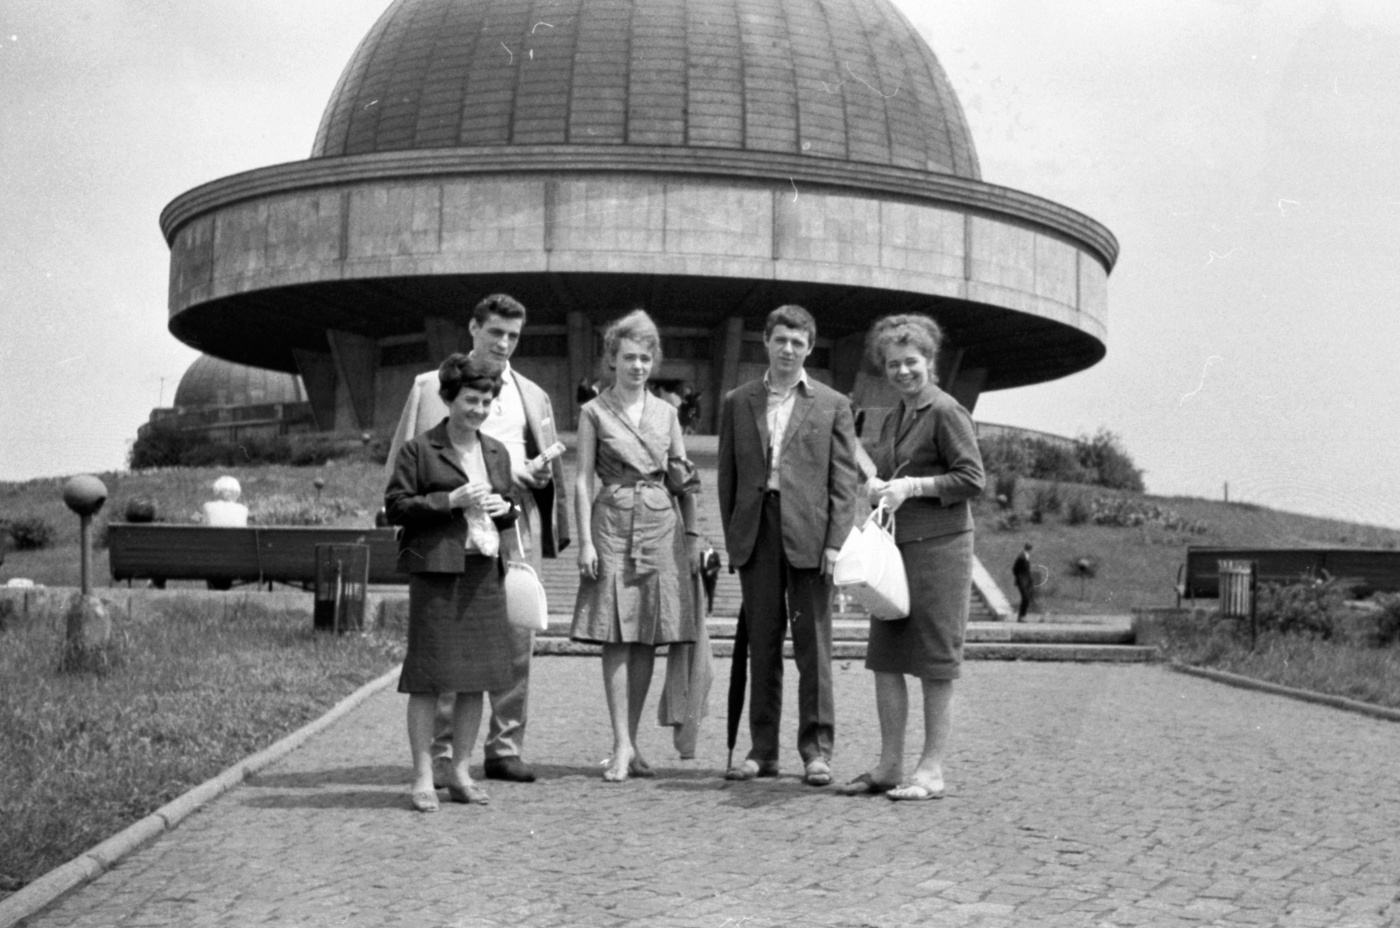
(1372, 569)
(286, 554)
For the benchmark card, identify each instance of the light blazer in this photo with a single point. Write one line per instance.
(425, 409)
(817, 479)
(426, 470)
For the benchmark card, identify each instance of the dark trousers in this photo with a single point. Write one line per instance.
(1026, 586)
(776, 593)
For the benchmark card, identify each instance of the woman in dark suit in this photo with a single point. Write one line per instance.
(928, 468)
(450, 491)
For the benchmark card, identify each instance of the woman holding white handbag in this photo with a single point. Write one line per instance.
(929, 440)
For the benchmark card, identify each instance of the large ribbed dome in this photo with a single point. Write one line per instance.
(849, 80)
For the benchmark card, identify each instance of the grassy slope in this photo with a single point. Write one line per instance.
(1136, 566)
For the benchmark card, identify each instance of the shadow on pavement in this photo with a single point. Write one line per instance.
(372, 775)
(338, 799)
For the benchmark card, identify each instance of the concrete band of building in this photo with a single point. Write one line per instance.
(358, 268)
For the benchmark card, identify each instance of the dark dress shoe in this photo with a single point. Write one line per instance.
(509, 768)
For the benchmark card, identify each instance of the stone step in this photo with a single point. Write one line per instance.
(851, 649)
(1106, 639)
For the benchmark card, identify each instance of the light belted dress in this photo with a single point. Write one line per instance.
(644, 592)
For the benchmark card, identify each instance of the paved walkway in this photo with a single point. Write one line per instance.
(1080, 795)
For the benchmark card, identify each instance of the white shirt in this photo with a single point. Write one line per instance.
(507, 423)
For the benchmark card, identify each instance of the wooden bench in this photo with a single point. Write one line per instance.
(1371, 570)
(225, 556)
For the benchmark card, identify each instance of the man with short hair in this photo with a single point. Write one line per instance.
(522, 419)
(787, 488)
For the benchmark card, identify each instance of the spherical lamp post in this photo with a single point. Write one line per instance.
(89, 628)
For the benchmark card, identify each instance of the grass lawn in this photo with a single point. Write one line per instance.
(194, 688)
(1344, 666)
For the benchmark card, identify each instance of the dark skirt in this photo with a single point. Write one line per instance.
(458, 637)
(929, 643)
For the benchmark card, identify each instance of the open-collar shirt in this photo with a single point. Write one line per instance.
(506, 422)
(780, 404)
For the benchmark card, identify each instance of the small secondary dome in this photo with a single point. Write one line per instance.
(849, 80)
(212, 381)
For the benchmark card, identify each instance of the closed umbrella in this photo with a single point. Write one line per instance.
(738, 681)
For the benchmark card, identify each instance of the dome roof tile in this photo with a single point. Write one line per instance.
(835, 79)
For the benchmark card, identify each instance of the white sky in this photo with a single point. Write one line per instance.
(1243, 151)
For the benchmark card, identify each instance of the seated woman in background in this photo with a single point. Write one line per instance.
(928, 467)
(458, 636)
(638, 552)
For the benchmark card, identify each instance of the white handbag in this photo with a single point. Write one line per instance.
(526, 606)
(870, 569)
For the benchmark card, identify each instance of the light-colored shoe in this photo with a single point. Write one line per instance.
(751, 768)
(818, 773)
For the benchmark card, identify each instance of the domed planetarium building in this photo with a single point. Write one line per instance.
(708, 160)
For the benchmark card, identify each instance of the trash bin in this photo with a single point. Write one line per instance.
(342, 578)
(1236, 588)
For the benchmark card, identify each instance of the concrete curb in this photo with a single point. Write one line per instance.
(95, 861)
(1249, 683)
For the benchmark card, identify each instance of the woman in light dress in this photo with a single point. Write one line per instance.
(638, 548)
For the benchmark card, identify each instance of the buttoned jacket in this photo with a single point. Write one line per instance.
(425, 409)
(938, 440)
(426, 471)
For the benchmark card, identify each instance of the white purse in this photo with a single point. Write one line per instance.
(870, 569)
(526, 606)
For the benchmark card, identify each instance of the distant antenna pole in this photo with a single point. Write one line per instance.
(160, 398)
(1227, 491)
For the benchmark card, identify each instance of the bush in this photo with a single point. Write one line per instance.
(282, 509)
(1005, 489)
(1047, 500)
(172, 448)
(28, 533)
(1078, 512)
(1099, 459)
(1112, 467)
(1312, 609)
(1130, 513)
(1387, 618)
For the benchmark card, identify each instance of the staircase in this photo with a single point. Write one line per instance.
(1096, 639)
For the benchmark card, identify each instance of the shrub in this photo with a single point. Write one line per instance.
(1008, 521)
(1112, 466)
(1005, 489)
(28, 533)
(1129, 513)
(1387, 619)
(1047, 500)
(1312, 609)
(163, 447)
(1078, 512)
(282, 509)
(172, 448)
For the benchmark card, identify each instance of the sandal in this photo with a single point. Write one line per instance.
(865, 785)
(914, 792)
(424, 801)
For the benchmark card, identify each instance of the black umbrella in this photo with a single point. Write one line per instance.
(738, 681)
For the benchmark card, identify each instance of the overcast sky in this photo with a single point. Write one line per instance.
(1244, 152)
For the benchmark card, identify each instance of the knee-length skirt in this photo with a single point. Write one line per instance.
(929, 643)
(458, 638)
